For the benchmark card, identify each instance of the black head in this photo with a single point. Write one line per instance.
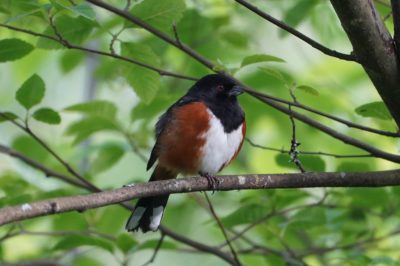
(219, 93)
(216, 88)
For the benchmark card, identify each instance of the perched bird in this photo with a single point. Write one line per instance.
(199, 134)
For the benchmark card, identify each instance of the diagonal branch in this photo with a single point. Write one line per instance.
(346, 139)
(192, 184)
(47, 171)
(68, 45)
(301, 36)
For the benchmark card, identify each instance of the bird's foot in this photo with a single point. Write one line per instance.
(213, 182)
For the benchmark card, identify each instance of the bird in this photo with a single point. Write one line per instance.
(201, 133)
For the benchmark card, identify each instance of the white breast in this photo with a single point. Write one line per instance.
(220, 146)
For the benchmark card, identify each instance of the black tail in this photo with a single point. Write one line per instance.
(149, 211)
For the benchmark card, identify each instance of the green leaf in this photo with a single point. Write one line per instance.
(273, 73)
(84, 10)
(309, 162)
(84, 128)
(72, 30)
(70, 60)
(47, 115)
(30, 148)
(297, 13)
(31, 92)
(98, 108)
(126, 242)
(12, 184)
(374, 110)
(74, 241)
(144, 82)
(108, 156)
(13, 49)
(236, 38)
(246, 214)
(308, 89)
(8, 116)
(258, 58)
(159, 14)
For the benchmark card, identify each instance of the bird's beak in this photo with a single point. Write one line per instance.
(236, 90)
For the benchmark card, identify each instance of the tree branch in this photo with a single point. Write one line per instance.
(334, 118)
(192, 184)
(320, 153)
(346, 139)
(396, 22)
(68, 45)
(301, 36)
(373, 47)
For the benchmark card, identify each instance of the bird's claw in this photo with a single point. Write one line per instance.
(213, 182)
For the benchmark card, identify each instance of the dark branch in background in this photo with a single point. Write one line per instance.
(193, 184)
(68, 45)
(396, 22)
(374, 49)
(223, 230)
(346, 139)
(253, 92)
(301, 36)
(334, 118)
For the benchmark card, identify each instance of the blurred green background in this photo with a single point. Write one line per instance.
(99, 144)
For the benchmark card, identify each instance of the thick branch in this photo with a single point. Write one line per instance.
(192, 184)
(373, 47)
(396, 22)
(296, 33)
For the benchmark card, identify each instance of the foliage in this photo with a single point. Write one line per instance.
(98, 113)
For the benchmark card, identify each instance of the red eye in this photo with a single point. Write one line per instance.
(220, 88)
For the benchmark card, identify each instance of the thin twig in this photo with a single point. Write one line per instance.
(157, 248)
(47, 171)
(294, 144)
(301, 36)
(339, 156)
(178, 40)
(221, 226)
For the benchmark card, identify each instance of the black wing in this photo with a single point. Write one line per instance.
(164, 119)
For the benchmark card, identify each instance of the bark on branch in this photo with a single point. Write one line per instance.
(373, 47)
(192, 184)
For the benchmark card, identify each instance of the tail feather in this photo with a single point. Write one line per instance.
(149, 211)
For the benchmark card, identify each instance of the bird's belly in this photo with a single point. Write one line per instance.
(219, 147)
